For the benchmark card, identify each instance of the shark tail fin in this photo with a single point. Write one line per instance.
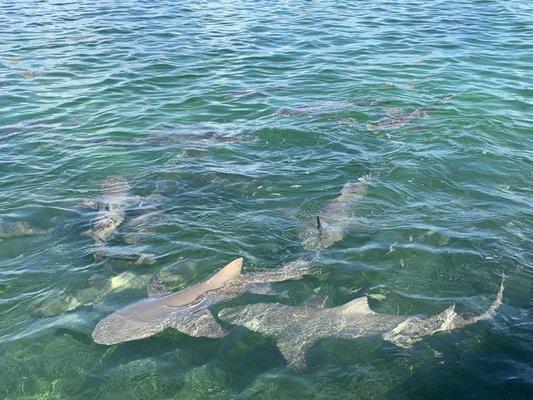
(491, 312)
(230, 271)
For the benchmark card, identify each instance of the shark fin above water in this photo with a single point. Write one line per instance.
(230, 271)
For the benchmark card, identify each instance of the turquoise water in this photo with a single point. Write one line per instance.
(244, 119)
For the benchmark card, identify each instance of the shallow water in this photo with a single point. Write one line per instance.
(244, 119)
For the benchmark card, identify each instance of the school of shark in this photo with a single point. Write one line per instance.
(294, 329)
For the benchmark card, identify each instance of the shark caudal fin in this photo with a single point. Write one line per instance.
(415, 328)
(491, 312)
(230, 271)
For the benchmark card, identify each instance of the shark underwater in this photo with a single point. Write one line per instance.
(111, 208)
(396, 118)
(295, 329)
(187, 310)
(333, 220)
(16, 229)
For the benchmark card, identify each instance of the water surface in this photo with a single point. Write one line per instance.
(244, 118)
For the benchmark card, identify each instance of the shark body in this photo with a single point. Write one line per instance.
(295, 329)
(111, 208)
(187, 310)
(397, 118)
(15, 229)
(334, 218)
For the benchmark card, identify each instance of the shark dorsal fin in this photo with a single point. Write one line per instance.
(156, 288)
(357, 306)
(230, 271)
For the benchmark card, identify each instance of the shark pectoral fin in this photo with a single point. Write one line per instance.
(262, 288)
(156, 288)
(357, 306)
(199, 324)
(230, 271)
(294, 352)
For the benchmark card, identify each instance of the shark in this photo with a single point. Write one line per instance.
(396, 118)
(188, 310)
(129, 254)
(334, 218)
(111, 208)
(15, 229)
(112, 218)
(295, 329)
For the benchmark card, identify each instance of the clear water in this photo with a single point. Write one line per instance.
(248, 117)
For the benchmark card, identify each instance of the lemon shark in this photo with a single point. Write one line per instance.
(111, 208)
(295, 329)
(188, 310)
(334, 218)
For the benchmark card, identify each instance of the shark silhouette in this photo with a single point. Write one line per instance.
(297, 328)
(187, 310)
(111, 207)
(333, 220)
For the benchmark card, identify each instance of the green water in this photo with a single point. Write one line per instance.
(246, 118)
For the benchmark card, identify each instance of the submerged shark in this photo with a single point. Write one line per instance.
(111, 208)
(15, 229)
(187, 310)
(334, 218)
(397, 118)
(125, 254)
(297, 328)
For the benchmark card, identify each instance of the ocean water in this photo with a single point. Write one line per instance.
(241, 119)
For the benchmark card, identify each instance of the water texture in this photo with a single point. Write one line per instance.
(239, 120)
